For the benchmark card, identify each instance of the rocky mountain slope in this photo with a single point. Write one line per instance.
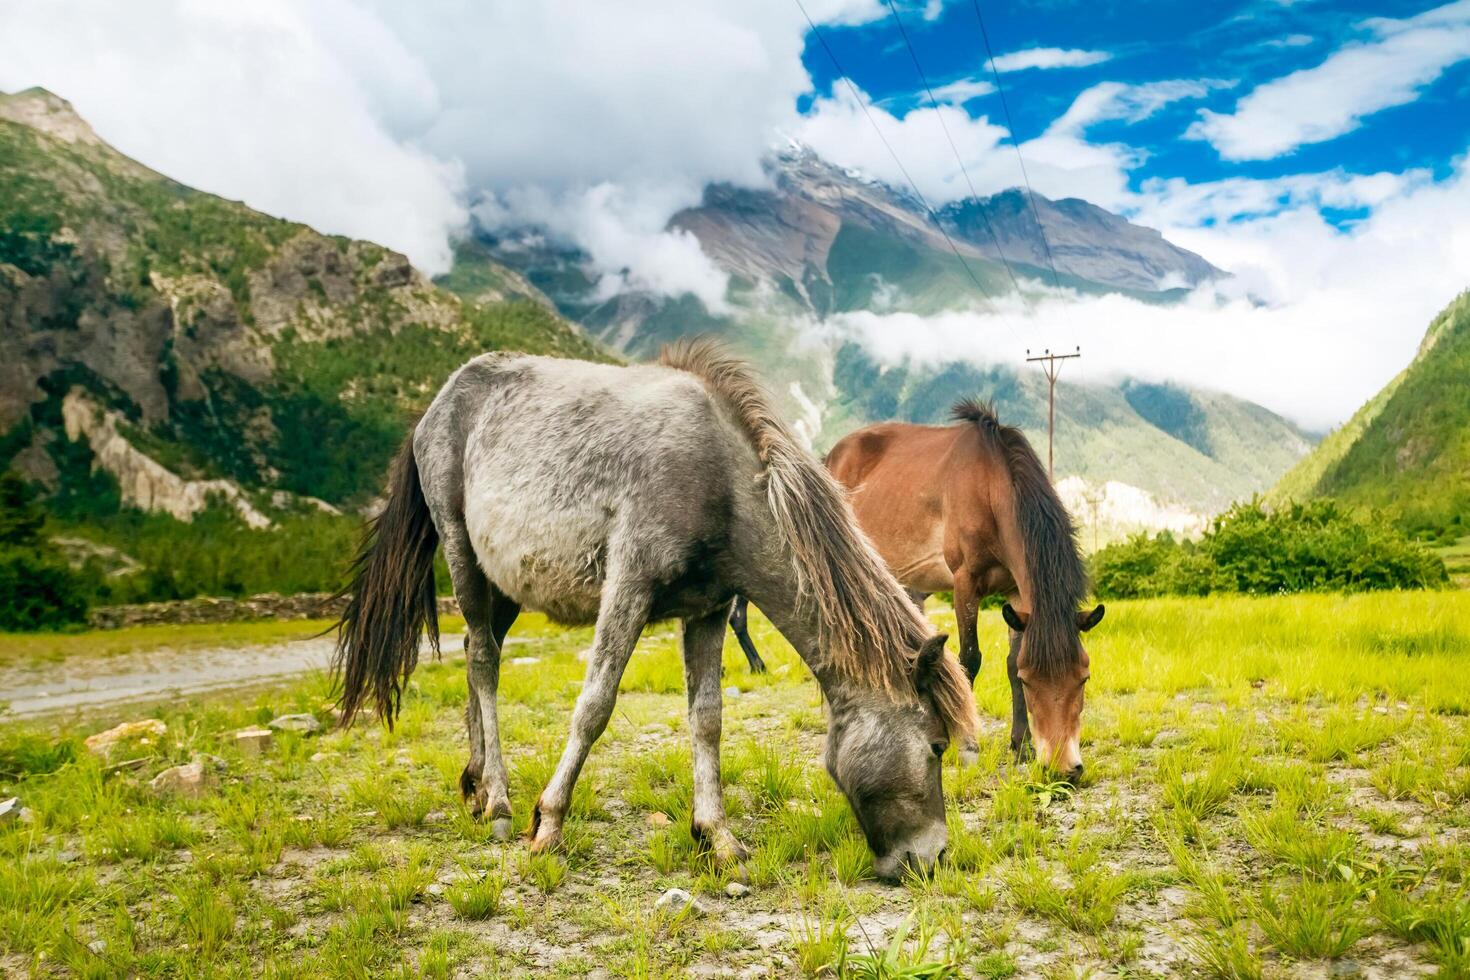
(193, 348)
(822, 241)
(1408, 449)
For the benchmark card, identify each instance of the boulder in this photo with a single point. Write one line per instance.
(676, 900)
(144, 731)
(254, 741)
(303, 723)
(189, 780)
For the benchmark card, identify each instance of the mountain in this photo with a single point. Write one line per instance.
(821, 241)
(184, 348)
(1406, 451)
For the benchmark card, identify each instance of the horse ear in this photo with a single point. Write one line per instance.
(1087, 620)
(1014, 620)
(926, 664)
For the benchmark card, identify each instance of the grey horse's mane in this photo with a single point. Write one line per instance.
(867, 627)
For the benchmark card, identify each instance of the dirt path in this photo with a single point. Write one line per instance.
(84, 683)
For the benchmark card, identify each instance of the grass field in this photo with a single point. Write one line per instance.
(1275, 787)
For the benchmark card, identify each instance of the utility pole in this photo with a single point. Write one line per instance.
(1052, 369)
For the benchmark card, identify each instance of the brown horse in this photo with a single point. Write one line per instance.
(969, 507)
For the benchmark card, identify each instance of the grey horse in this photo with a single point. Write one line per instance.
(624, 495)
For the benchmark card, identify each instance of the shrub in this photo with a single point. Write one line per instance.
(1314, 547)
(38, 590)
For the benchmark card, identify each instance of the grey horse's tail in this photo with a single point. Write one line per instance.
(391, 600)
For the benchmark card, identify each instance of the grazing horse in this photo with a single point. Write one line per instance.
(623, 495)
(969, 507)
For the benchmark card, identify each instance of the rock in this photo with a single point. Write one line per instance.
(737, 890)
(732, 691)
(98, 946)
(213, 762)
(435, 888)
(525, 661)
(657, 819)
(187, 780)
(27, 815)
(9, 811)
(676, 900)
(303, 723)
(102, 742)
(321, 756)
(254, 741)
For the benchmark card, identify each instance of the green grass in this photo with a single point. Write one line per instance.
(1270, 781)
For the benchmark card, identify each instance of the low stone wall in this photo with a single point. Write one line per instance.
(309, 605)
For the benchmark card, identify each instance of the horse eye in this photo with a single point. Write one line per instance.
(937, 748)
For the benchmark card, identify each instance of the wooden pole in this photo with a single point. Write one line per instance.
(1052, 368)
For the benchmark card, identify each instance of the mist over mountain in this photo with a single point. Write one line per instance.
(821, 245)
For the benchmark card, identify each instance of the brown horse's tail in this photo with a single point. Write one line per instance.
(391, 600)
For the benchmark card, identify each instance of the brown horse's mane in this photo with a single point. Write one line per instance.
(868, 629)
(1058, 577)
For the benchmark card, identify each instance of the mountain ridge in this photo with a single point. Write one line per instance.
(226, 347)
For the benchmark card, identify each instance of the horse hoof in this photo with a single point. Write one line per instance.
(500, 828)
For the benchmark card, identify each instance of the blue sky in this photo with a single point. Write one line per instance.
(1316, 150)
(1240, 45)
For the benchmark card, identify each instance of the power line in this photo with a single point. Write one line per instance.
(857, 97)
(934, 104)
(1015, 142)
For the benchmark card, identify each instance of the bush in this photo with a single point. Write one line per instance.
(1315, 547)
(37, 590)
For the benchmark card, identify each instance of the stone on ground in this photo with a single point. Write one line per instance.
(254, 741)
(144, 731)
(189, 780)
(303, 723)
(9, 810)
(676, 900)
(736, 889)
(657, 819)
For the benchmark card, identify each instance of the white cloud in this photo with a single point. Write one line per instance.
(1049, 58)
(1289, 41)
(1315, 321)
(1061, 162)
(253, 101)
(963, 90)
(1318, 104)
(370, 117)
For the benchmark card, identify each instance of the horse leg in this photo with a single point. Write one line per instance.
(704, 639)
(1020, 726)
(620, 620)
(741, 629)
(483, 782)
(966, 615)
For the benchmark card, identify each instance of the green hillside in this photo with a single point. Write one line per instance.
(1407, 450)
(232, 345)
(205, 395)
